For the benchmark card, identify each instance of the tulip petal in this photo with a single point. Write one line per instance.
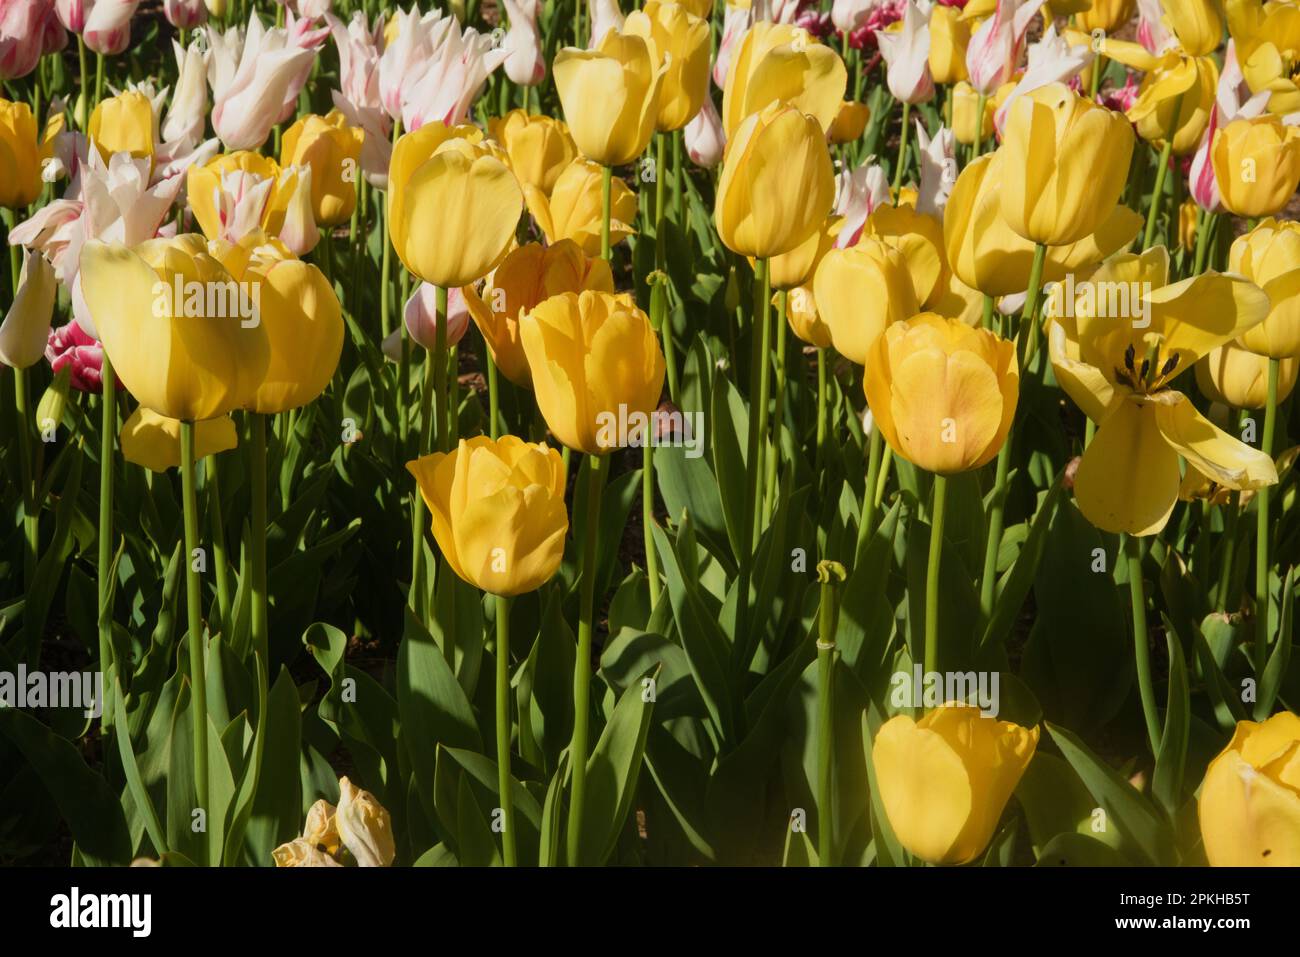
(1128, 478)
(1199, 314)
(154, 441)
(924, 788)
(1248, 819)
(1214, 452)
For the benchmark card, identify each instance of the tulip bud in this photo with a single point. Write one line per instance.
(679, 45)
(943, 394)
(26, 327)
(610, 97)
(332, 149)
(364, 826)
(1269, 256)
(919, 238)
(704, 137)
(849, 122)
(1188, 83)
(123, 124)
(1256, 165)
(20, 166)
(949, 38)
(49, 411)
(1197, 24)
(805, 322)
(498, 511)
(154, 441)
(965, 104)
(293, 194)
(859, 292)
(539, 148)
(1238, 377)
(573, 209)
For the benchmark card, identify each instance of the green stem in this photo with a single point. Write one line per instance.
(977, 148)
(504, 783)
(901, 165)
(1232, 516)
(825, 749)
(193, 600)
(1261, 533)
(758, 362)
(648, 516)
(875, 452)
(822, 393)
(99, 78)
(578, 747)
(440, 385)
(30, 533)
(1162, 170)
(257, 547)
(606, 184)
(107, 449)
(494, 395)
(1027, 333)
(993, 544)
(932, 575)
(778, 402)
(1141, 650)
(220, 564)
(1203, 236)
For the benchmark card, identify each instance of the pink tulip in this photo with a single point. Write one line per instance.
(705, 139)
(108, 25)
(359, 99)
(22, 36)
(185, 14)
(995, 49)
(857, 195)
(421, 317)
(525, 63)
(735, 24)
(54, 38)
(70, 346)
(72, 13)
(907, 57)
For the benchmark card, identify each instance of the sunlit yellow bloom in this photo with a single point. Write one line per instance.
(573, 210)
(849, 123)
(965, 104)
(20, 156)
(919, 237)
(1129, 337)
(783, 63)
(1188, 214)
(1238, 377)
(679, 44)
(332, 149)
(1267, 38)
(610, 97)
(498, 511)
(1269, 256)
(805, 321)
(539, 148)
(945, 780)
(1172, 80)
(123, 124)
(1250, 799)
(859, 292)
(1256, 165)
(949, 37)
(1197, 24)
(154, 441)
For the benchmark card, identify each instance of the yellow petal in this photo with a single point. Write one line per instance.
(1213, 451)
(1128, 478)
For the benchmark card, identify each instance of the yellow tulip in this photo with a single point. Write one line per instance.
(440, 176)
(211, 183)
(965, 104)
(764, 208)
(190, 356)
(1249, 805)
(539, 148)
(1116, 350)
(25, 331)
(679, 45)
(783, 63)
(1256, 165)
(573, 208)
(942, 393)
(498, 511)
(959, 301)
(20, 156)
(700, 8)
(154, 441)
(1188, 214)
(1174, 80)
(985, 254)
(849, 123)
(949, 37)
(804, 319)
(1238, 378)
(919, 237)
(1197, 24)
(1269, 256)
(332, 149)
(1066, 162)
(610, 97)
(123, 124)
(529, 275)
(945, 780)
(1108, 15)
(859, 292)
(364, 826)
(1266, 39)
(596, 363)
(1067, 8)
(797, 267)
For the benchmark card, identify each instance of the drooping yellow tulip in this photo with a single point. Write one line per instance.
(1249, 806)
(573, 208)
(176, 326)
(679, 44)
(539, 148)
(1256, 165)
(942, 393)
(1238, 378)
(860, 291)
(123, 124)
(596, 366)
(949, 37)
(20, 156)
(1066, 161)
(610, 96)
(1267, 37)
(332, 149)
(529, 275)
(498, 511)
(441, 175)
(783, 63)
(1269, 256)
(764, 208)
(945, 780)
(154, 441)
(1116, 350)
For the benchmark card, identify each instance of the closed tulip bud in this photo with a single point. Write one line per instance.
(527, 277)
(332, 149)
(850, 122)
(498, 511)
(539, 148)
(1188, 83)
(299, 852)
(943, 394)
(421, 317)
(443, 175)
(945, 780)
(596, 362)
(1269, 256)
(805, 321)
(777, 61)
(965, 104)
(54, 401)
(704, 137)
(573, 208)
(1188, 213)
(20, 156)
(859, 292)
(321, 829)
(298, 231)
(1250, 798)
(905, 46)
(610, 97)
(154, 441)
(1197, 24)
(764, 208)
(217, 8)
(364, 826)
(188, 356)
(1238, 378)
(1107, 15)
(1256, 165)
(679, 45)
(25, 330)
(1067, 161)
(123, 124)
(949, 37)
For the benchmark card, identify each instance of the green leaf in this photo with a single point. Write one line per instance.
(1071, 849)
(1016, 582)
(1167, 781)
(1270, 682)
(276, 814)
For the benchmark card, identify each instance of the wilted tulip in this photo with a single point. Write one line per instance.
(679, 43)
(539, 148)
(364, 826)
(944, 780)
(443, 175)
(332, 149)
(26, 326)
(188, 356)
(1256, 165)
(20, 155)
(154, 441)
(763, 208)
(498, 511)
(573, 209)
(123, 124)
(529, 275)
(1238, 378)
(595, 362)
(859, 292)
(321, 830)
(610, 97)
(1269, 256)
(300, 852)
(776, 61)
(705, 140)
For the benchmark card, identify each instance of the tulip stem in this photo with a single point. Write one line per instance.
(258, 618)
(993, 544)
(494, 396)
(932, 575)
(1162, 170)
(30, 534)
(220, 566)
(99, 78)
(1209, 221)
(582, 663)
(107, 445)
(193, 599)
(822, 395)
(753, 471)
(606, 185)
(829, 574)
(1261, 534)
(1027, 333)
(648, 517)
(504, 783)
(977, 147)
(875, 450)
(1141, 649)
(901, 165)
(778, 403)
(84, 92)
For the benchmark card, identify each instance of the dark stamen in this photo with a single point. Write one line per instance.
(1128, 357)
(1122, 377)
(1146, 367)
(1170, 365)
